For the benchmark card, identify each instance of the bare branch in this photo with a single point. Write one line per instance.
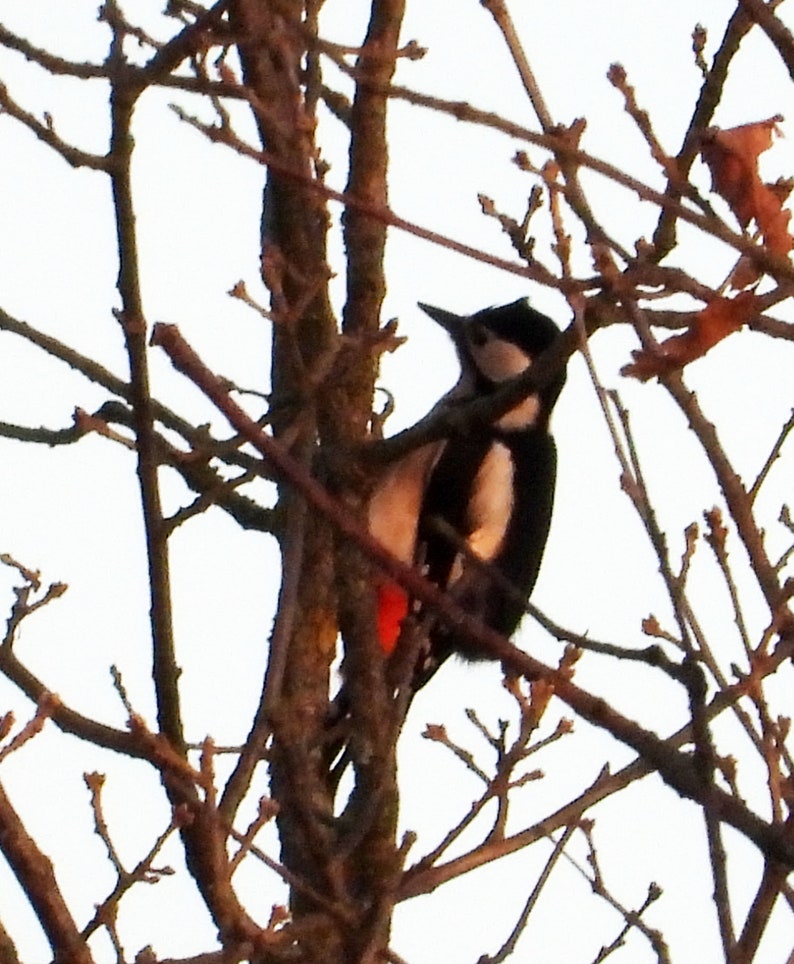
(122, 103)
(763, 14)
(773, 456)
(675, 768)
(509, 945)
(46, 134)
(34, 872)
(47, 60)
(292, 549)
(143, 872)
(769, 887)
(63, 716)
(736, 496)
(739, 25)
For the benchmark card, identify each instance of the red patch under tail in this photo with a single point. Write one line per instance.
(392, 609)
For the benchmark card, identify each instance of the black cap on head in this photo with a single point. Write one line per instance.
(517, 322)
(520, 324)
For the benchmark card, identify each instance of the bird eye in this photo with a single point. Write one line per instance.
(478, 334)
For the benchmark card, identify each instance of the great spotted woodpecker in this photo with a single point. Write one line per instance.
(484, 494)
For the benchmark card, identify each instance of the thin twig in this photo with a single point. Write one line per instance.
(716, 538)
(778, 33)
(567, 162)
(631, 918)
(44, 710)
(708, 99)
(736, 496)
(509, 945)
(773, 456)
(46, 134)
(292, 556)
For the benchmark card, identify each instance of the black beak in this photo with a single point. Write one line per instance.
(449, 322)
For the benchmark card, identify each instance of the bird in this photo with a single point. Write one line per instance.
(483, 494)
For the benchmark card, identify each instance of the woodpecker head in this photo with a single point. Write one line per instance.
(497, 344)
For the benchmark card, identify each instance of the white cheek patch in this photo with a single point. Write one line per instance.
(499, 360)
(492, 502)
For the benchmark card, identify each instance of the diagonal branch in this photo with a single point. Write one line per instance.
(678, 770)
(739, 501)
(568, 163)
(47, 60)
(283, 628)
(165, 671)
(185, 44)
(782, 38)
(46, 133)
(776, 265)
(198, 438)
(739, 25)
(509, 946)
(34, 872)
(65, 718)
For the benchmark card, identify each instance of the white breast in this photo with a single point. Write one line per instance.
(492, 502)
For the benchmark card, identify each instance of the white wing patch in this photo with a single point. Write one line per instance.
(491, 502)
(395, 503)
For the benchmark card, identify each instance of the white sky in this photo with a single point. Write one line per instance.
(72, 511)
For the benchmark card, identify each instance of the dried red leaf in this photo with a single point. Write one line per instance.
(719, 318)
(732, 157)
